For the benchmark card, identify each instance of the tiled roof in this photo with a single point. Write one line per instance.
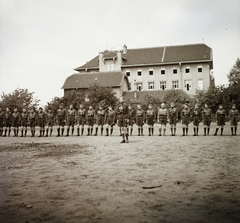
(105, 79)
(158, 55)
(109, 54)
(90, 64)
(194, 52)
(160, 94)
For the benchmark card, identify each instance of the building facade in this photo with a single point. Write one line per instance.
(184, 67)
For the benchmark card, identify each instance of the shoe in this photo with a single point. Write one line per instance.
(123, 141)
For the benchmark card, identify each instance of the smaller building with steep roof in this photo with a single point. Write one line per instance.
(82, 81)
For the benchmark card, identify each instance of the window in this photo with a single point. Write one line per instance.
(150, 71)
(150, 85)
(163, 71)
(163, 85)
(200, 84)
(139, 73)
(188, 85)
(139, 86)
(187, 70)
(128, 73)
(175, 85)
(110, 67)
(174, 71)
(199, 69)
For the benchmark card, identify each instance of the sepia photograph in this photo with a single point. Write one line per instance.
(119, 111)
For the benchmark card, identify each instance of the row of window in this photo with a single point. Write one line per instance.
(175, 85)
(163, 71)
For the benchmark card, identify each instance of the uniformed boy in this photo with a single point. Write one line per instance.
(32, 122)
(196, 118)
(132, 118)
(186, 118)
(49, 122)
(221, 118)
(109, 120)
(24, 121)
(41, 118)
(122, 119)
(207, 118)
(81, 119)
(90, 119)
(7, 119)
(234, 118)
(162, 119)
(140, 119)
(100, 116)
(172, 118)
(60, 119)
(150, 116)
(71, 118)
(1, 121)
(15, 121)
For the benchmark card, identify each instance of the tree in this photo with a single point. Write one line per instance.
(103, 96)
(19, 98)
(234, 74)
(234, 84)
(98, 96)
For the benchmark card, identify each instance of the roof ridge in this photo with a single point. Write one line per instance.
(155, 47)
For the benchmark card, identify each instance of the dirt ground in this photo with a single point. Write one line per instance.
(97, 179)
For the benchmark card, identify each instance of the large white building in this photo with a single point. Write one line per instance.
(184, 67)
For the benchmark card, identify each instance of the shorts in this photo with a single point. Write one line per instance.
(24, 122)
(41, 123)
(207, 120)
(139, 121)
(81, 120)
(110, 121)
(234, 121)
(71, 121)
(163, 120)
(90, 121)
(61, 121)
(7, 123)
(220, 120)
(150, 120)
(185, 120)
(49, 123)
(131, 121)
(196, 121)
(100, 120)
(15, 123)
(122, 121)
(32, 123)
(173, 121)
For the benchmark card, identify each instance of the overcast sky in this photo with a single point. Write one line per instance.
(42, 41)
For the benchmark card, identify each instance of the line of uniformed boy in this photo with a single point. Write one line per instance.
(124, 115)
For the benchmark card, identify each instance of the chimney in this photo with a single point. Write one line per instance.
(124, 49)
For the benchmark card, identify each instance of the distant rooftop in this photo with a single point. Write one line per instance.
(156, 55)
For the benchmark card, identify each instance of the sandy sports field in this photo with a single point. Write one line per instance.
(97, 179)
